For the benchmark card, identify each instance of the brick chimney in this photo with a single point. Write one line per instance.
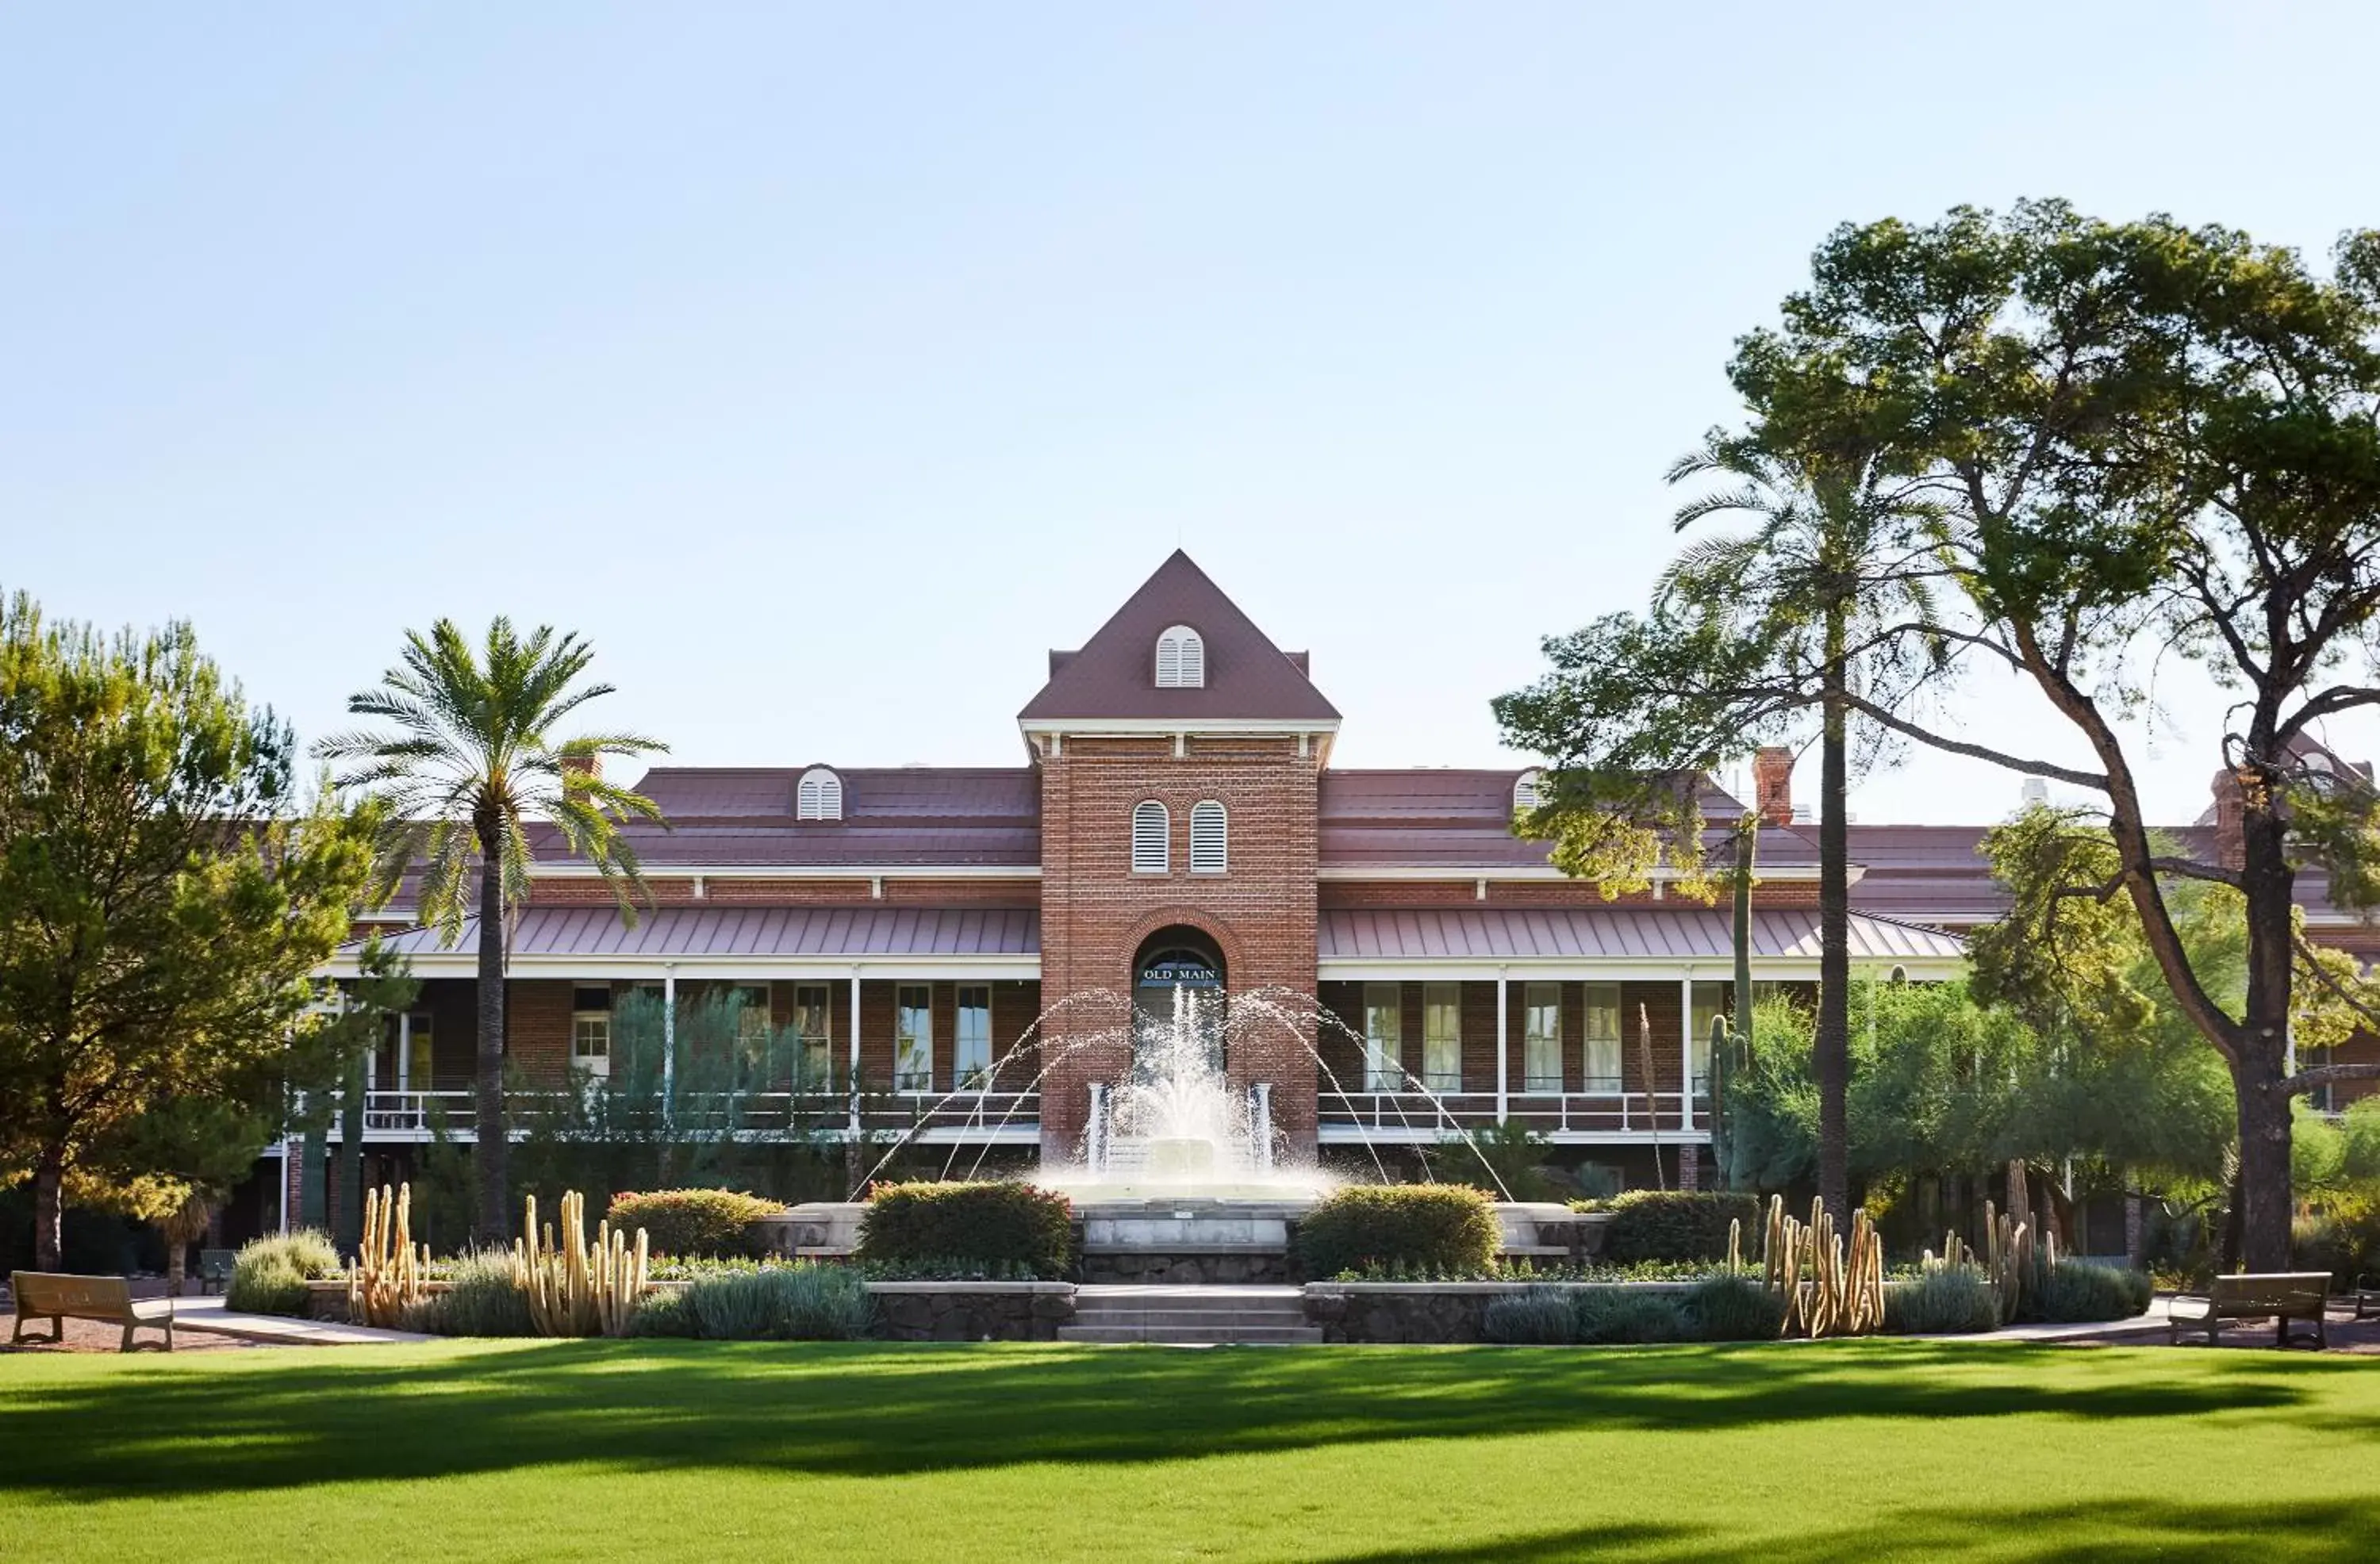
(1772, 784)
(2231, 820)
(575, 766)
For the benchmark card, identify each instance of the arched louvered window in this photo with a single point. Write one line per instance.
(1151, 828)
(818, 796)
(1181, 659)
(1525, 795)
(1209, 838)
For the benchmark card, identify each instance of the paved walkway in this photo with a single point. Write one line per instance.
(209, 1314)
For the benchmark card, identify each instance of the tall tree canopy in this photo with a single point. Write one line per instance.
(166, 894)
(473, 756)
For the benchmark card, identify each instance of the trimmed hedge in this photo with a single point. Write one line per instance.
(1448, 1228)
(2078, 1291)
(1944, 1301)
(269, 1274)
(1651, 1224)
(1734, 1308)
(693, 1222)
(1004, 1223)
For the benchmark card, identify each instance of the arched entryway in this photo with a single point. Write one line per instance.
(1178, 976)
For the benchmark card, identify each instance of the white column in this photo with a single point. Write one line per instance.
(1686, 1049)
(1503, 1049)
(669, 1040)
(854, 1076)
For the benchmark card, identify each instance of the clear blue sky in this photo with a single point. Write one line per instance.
(827, 365)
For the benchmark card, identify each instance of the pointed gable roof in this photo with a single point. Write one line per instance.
(1115, 675)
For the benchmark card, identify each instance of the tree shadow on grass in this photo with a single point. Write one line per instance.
(2129, 1532)
(267, 1420)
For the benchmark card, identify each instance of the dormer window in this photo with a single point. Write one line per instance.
(818, 796)
(1181, 659)
(1525, 795)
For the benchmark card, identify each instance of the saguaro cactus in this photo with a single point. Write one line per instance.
(573, 1290)
(384, 1284)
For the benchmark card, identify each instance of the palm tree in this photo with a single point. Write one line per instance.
(473, 758)
(1834, 582)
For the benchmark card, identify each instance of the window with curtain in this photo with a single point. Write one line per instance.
(1441, 1036)
(1709, 1002)
(1602, 1037)
(913, 1038)
(971, 1049)
(1541, 1062)
(814, 1035)
(1383, 1038)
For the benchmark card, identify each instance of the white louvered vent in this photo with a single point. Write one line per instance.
(1526, 796)
(1151, 853)
(818, 796)
(1181, 659)
(1210, 838)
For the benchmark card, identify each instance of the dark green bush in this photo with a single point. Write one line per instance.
(992, 1223)
(1734, 1308)
(1539, 1318)
(1610, 1315)
(1441, 1227)
(802, 1302)
(691, 1223)
(269, 1274)
(1953, 1301)
(2345, 1241)
(2077, 1292)
(482, 1298)
(1649, 1224)
(663, 1311)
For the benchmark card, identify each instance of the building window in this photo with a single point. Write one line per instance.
(401, 1063)
(1441, 1036)
(1602, 1039)
(818, 796)
(1525, 795)
(590, 1032)
(971, 1049)
(1541, 1062)
(1384, 1043)
(913, 1038)
(813, 1036)
(1708, 1003)
(750, 1002)
(1152, 830)
(1209, 838)
(1181, 659)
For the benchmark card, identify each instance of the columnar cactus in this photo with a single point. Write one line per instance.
(384, 1284)
(1843, 1295)
(574, 1291)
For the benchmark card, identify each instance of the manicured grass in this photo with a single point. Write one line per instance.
(1844, 1452)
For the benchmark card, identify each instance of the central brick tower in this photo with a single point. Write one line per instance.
(1178, 752)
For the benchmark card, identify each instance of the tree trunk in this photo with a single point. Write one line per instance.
(2264, 1203)
(351, 1158)
(1831, 1044)
(488, 1119)
(2260, 1061)
(49, 1209)
(1747, 857)
(175, 1244)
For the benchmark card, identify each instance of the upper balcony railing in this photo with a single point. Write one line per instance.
(1616, 1112)
(967, 1115)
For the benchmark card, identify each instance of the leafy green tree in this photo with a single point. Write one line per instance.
(2148, 439)
(1826, 592)
(166, 894)
(472, 759)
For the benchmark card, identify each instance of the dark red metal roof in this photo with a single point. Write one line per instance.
(1446, 817)
(833, 932)
(1591, 933)
(1114, 675)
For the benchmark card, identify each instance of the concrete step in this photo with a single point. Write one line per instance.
(1196, 1335)
(1147, 1318)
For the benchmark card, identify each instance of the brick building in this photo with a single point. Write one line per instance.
(948, 950)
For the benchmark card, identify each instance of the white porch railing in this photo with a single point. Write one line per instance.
(1594, 1112)
(415, 1115)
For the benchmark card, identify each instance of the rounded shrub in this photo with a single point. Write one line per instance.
(803, 1303)
(692, 1222)
(1947, 1301)
(1734, 1308)
(2077, 1292)
(1602, 1316)
(1432, 1228)
(269, 1274)
(1651, 1224)
(483, 1297)
(1002, 1223)
(663, 1311)
(1539, 1318)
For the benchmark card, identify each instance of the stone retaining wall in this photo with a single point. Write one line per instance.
(905, 1310)
(1387, 1313)
(1188, 1267)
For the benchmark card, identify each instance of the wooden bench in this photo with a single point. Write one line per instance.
(107, 1299)
(2281, 1296)
(214, 1269)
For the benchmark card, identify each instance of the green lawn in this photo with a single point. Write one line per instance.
(1841, 1451)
